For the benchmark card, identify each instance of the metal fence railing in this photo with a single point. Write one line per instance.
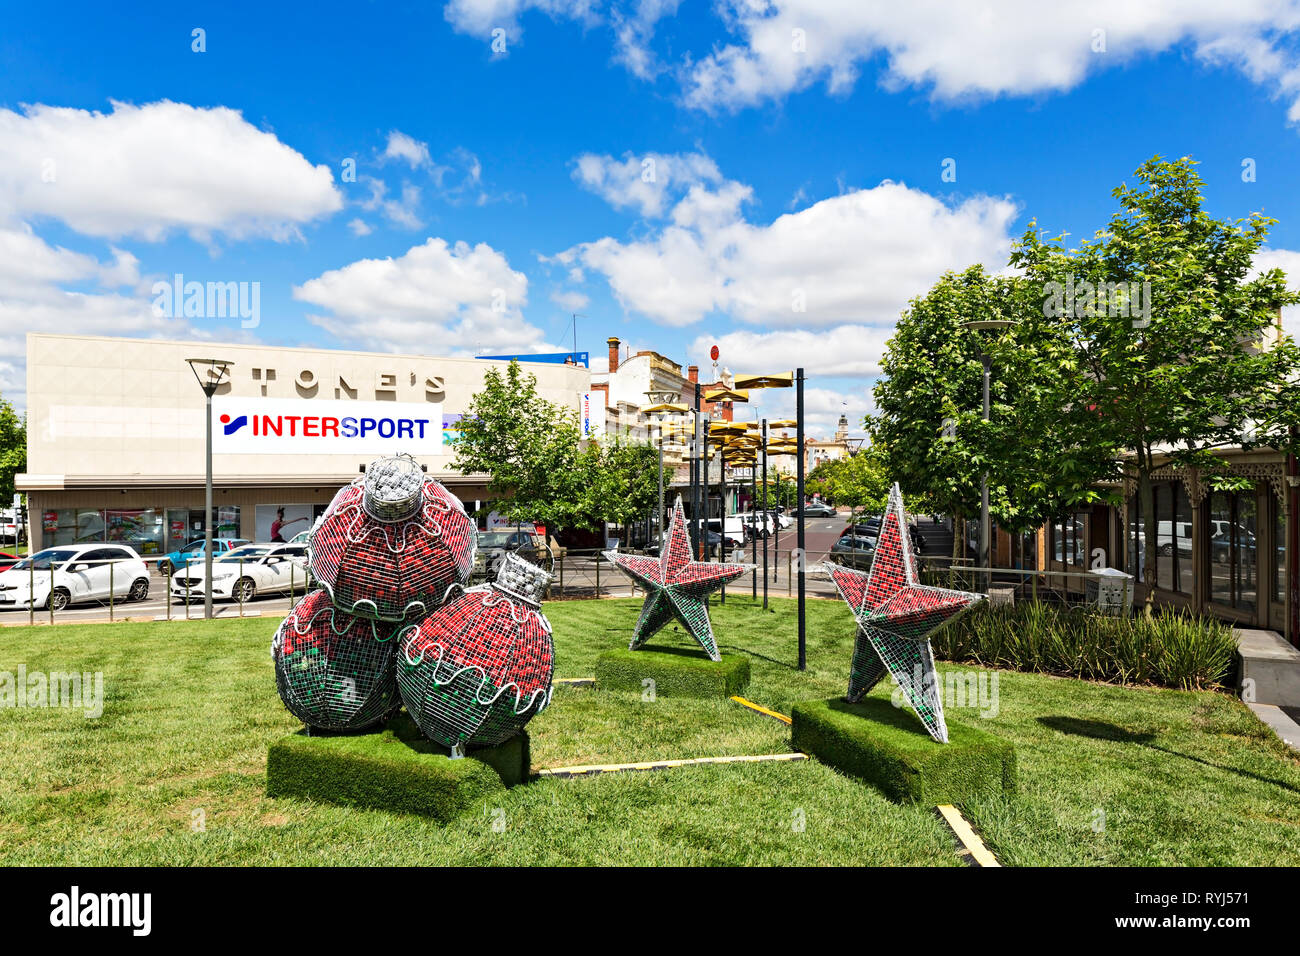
(45, 591)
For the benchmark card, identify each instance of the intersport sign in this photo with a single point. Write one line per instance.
(271, 426)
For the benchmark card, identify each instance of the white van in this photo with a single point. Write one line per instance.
(1166, 531)
(732, 529)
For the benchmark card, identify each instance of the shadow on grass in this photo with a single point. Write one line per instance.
(1100, 730)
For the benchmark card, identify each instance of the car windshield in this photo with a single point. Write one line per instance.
(848, 541)
(243, 554)
(500, 539)
(44, 560)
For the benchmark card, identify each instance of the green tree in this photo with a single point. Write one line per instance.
(860, 481)
(528, 446)
(1038, 448)
(1176, 337)
(13, 448)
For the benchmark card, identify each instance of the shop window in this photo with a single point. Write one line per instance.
(139, 528)
(1182, 540)
(1163, 497)
(1279, 550)
(1234, 564)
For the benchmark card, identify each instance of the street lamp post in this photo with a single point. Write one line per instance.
(798, 406)
(216, 372)
(986, 361)
(765, 510)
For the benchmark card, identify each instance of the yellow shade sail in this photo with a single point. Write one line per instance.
(783, 423)
(726, 395)
(772, 380)
(667, 407)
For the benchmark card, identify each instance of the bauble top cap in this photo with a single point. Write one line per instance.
(394, 488)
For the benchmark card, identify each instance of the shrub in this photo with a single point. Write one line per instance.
(1169, 648)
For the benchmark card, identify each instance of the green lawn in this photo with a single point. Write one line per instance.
(1165, 777)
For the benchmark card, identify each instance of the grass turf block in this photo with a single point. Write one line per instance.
(888, 747)
(676, 673)
(395, 769)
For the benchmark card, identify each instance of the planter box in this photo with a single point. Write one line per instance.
(394, 769)
(888, 747)
(675, 673)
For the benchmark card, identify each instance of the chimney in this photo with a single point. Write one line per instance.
(693, 372)
(612, 342)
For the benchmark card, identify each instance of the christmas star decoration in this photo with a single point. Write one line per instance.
(676, 587)
(896, 617)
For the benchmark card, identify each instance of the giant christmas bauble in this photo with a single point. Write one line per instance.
(391, 543)
(479, 668)
(333, 670)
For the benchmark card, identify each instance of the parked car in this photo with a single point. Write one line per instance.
(8, 560)
(733, 530)
(870, 528)
(59, 576)
(1221, 545)
(240, 574)
(854, 551)
(711, 541)
(492, 545)
(1167, 531)
(818, 509)
(782, 519)
(182, 558)
(301, 537)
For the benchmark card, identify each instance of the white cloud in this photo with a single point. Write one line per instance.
(569, 300)
(647, 183)
(435, 298)
(1289, 262)
(633, 33)
(359, 227)
(480, 17)
(52, 289)
(407, 149)
(400, 212)
(148, 171)
(995, 48)
(848, 351)
(852, 259)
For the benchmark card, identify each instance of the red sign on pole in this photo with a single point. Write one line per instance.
(713, 353)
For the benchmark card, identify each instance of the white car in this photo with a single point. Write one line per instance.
(244, 573)
(65, 575)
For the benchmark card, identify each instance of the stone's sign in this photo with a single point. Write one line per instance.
(270, 426)
(383, 385)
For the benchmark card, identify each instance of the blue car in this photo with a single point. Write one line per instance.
(192, 553)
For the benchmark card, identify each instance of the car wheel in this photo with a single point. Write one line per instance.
(244, 590)
(165, 567)
(139, 590)
(59, 599)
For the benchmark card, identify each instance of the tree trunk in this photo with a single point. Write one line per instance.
(1146, 492)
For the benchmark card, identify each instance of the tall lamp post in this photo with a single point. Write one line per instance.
(214, 373)
(987, 361)
(786, 380)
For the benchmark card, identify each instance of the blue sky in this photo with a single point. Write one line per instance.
(764, 176)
